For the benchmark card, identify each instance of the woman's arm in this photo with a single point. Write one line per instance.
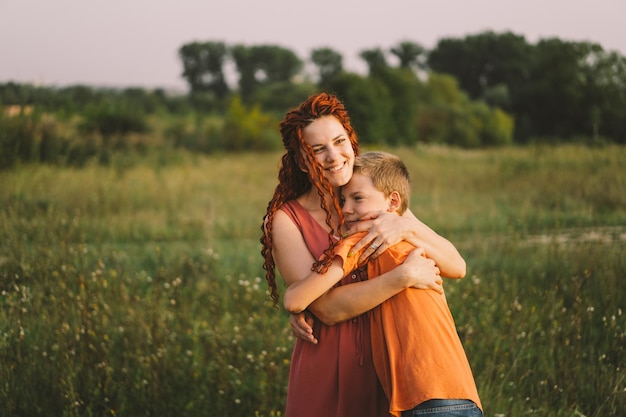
(302, 326)
(294, 261)
(385, 230)
(291, 254)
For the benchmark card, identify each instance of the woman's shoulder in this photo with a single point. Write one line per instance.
(282, 218)
(292, 207)
(290, 218)
(295, 211)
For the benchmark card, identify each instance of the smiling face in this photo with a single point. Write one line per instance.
(332, 148)
(361, 197)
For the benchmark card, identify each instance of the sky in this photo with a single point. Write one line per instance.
(134, 43)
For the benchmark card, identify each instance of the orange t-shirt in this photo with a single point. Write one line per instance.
(416, 349)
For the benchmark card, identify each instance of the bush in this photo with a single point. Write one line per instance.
(249, 129)
(110, 120)
(448, 116)
(29, 137)
(370, 106)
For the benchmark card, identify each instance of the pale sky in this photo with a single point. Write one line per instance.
(122, 43)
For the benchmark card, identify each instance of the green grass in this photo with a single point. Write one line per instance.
(137, 289)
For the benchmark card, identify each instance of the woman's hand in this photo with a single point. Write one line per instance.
(302, 326)
(386, 229)
(421, 272)
(383, 230)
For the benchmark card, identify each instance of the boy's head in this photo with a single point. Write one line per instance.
(380, 182)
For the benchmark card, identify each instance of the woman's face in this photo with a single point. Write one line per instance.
(332, 148)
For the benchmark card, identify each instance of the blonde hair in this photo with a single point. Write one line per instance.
(388, 173)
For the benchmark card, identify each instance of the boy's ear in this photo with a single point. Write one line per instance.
(394, 201)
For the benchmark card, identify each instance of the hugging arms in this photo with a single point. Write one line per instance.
(383, 230)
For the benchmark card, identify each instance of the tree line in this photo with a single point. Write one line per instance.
(554, 89)
(487, 89)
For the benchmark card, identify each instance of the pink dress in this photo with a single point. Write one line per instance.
(335, 377)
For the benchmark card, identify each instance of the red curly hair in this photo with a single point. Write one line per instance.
(293, 182)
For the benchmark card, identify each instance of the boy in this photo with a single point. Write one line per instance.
(418, 355)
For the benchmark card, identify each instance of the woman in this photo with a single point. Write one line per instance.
(336, 376)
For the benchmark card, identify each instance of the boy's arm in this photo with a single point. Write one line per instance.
(348, 301)
(293, 261)
(301, 293)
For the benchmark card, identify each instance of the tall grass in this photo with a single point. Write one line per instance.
(137, 289)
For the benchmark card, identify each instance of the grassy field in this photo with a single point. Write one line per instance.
(137, 289)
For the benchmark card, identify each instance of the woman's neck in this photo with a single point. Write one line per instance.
(311, 200)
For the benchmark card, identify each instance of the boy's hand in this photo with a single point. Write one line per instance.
(302, 326)
(423, 272)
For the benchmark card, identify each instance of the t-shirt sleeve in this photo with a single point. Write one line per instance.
(350, 263)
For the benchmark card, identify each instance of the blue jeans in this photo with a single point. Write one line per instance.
(445, 408)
